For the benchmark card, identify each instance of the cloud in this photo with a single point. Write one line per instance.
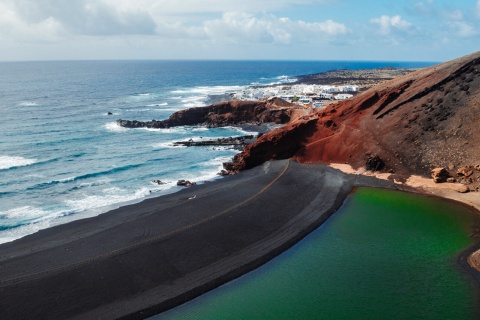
(247, 28)
(51, 19)
(12, 26)
(85, 17)
(389, 24)
(163, 7)
(478, 8)
(463, 29)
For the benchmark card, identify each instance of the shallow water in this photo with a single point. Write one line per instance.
(383, 255)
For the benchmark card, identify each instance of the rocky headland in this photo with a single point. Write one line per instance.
(236, 142)
(414, 123)
(224, 114)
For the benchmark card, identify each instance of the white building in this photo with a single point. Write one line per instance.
(323, 95)
(329, 89)
(350, 88)
(343, 96)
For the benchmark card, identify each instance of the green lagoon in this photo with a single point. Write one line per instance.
(383, 255)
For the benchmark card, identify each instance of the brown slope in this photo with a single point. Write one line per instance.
(422, 120)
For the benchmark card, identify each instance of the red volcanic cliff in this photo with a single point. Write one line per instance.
(428, 118)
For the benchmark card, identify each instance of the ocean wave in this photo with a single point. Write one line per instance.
(8, 162)
(137, 110)
(25, 213)
(111, 196)
(107, 172)
(174, 130)
(27, 104)
(163, 104)
(14, 222)
(16, 232)
(193, 99)
(114, 127)
(166, 145)
(200, 129)
(208, 90)
(238, 130)
(273, 81)
(44, 185)
(90, 184)
(194, 104)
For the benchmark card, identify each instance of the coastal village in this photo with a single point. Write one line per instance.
(321, 89)
(306, 95)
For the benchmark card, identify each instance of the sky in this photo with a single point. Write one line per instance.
(380, 30)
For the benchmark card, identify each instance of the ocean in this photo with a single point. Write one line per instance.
(63, 157)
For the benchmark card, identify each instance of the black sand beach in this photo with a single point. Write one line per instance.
(142, 259)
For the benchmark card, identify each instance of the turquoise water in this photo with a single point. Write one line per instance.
(383, 255)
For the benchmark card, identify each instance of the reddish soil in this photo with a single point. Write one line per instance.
(414, 123)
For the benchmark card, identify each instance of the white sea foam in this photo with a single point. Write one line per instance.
(209, 170)
(108, 198)
(27, 104)
(193, 104)
(69, 179)
(158, 104)
(166, 145)
(137, 110)
(7, 162)
(193, 99)
(22, 231)
(23, 213)
(239, 130)
(200, 129)
(24, 221)
(208, 90)
(174, 130)
(114, 127)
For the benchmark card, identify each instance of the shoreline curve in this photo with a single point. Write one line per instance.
(142, 259)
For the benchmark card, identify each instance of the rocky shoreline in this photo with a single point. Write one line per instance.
(237, 143)
(223, 114)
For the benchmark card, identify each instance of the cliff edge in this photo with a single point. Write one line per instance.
(410, 125)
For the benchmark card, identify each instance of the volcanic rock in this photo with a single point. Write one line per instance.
(230, 141)
(415, 122)
(374, 164)
(465, 171)
(226, 113)
(185, 183)
(440, 175)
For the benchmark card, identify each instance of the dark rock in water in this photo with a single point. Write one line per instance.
(159, 182)
(185, 183)
(110, 113)
(374, 163)
(229, 166)
(235, 141)
(223, 173)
